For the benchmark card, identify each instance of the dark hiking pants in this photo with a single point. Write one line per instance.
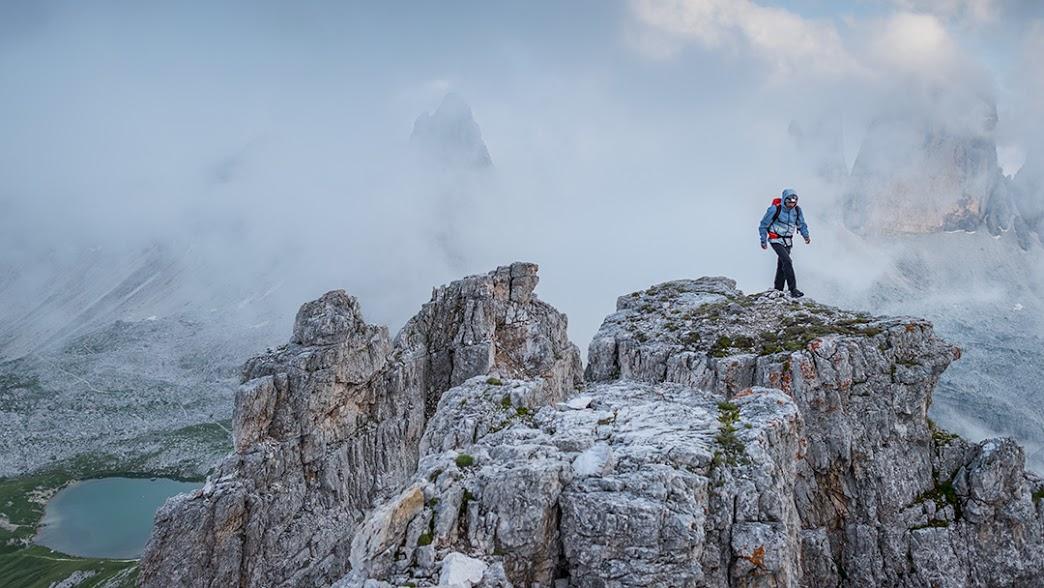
(784, 267)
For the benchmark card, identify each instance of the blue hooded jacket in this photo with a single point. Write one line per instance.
(790, 219)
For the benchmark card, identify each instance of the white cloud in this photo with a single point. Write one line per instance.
(965, 11)
(783, 39)
(1024, 123)
(914, 43)
(1011, 158)
(1032, 64)
(438, 87)
(900, 45)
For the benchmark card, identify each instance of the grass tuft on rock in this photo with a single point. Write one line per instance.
(943, 494)
(940, 436)
(796, 332)
(731, 449)
(690, 339)
(465, 461)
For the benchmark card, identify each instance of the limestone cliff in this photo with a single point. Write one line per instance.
(720, 440)
(331, 422)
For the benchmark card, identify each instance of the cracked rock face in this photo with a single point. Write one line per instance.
(332, 421)
(720, 440)
(883, 497)
(634, 489)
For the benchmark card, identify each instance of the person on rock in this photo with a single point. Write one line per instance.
(782, 219)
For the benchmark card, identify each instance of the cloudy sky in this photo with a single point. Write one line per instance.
(634, 141)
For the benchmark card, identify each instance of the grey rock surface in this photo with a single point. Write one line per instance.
(874, 466)
(636, 489)
(720, 440)
(332, 421)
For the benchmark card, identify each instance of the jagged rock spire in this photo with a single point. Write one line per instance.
(450, 136)
(333, 420)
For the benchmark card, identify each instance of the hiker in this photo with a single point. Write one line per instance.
(777, 229)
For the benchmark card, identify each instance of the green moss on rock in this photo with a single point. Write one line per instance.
(939, 435)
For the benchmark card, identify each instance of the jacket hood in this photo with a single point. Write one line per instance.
(786, 193)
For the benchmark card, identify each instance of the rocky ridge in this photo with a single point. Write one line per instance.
(331, 422)
(720, 440)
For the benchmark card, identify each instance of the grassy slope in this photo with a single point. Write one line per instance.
(34, 566)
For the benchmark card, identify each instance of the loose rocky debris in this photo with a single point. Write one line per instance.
(721, 440)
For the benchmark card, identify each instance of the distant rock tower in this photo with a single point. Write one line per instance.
(914, 175)
(451, 137)
(454, 161)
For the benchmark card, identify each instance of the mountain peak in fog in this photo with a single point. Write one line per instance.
(914, 175)
(450, 135)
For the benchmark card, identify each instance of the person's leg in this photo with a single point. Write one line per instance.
(788, 268)
(785, 267)
(782, 260)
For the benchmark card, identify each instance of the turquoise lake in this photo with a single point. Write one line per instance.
(107, 518)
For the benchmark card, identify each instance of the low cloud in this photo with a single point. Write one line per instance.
(783, 40)
(969, 12)
(914, 43)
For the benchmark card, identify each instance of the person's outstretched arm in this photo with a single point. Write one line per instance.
(763, 227)
(802, 227)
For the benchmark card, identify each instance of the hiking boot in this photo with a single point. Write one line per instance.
(795, 293)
